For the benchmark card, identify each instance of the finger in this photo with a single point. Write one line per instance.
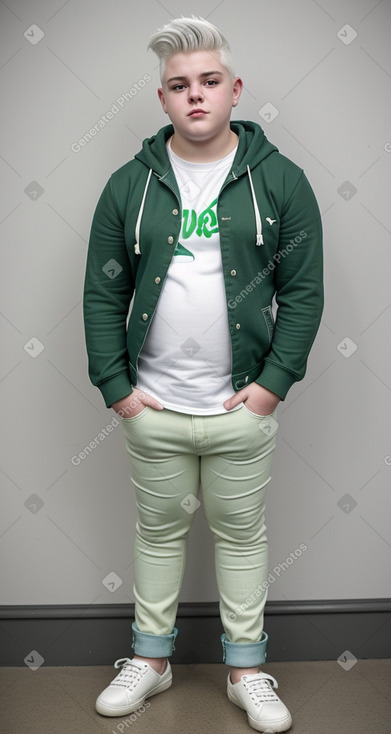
(235, 400)
(152, 402)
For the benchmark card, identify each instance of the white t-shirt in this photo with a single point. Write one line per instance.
(185, 361)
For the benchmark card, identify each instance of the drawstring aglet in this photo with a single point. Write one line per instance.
(259, 240)
(137, 249)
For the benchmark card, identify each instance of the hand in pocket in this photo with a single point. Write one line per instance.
(133, 404)
(257, 399)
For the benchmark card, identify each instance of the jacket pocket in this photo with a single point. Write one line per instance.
(269, 321)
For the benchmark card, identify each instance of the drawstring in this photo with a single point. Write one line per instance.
(258, 220)
(140, 214)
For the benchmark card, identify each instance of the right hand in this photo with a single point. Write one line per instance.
(133, 404)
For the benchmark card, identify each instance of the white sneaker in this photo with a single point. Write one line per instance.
(255, 694)
(128, 691)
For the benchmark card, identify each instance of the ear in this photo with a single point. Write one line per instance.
(237, 88)
(160, 94)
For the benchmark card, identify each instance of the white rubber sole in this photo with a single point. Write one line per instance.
(109, 710)
(272, 727)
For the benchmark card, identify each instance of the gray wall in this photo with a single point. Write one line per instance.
(65, 527)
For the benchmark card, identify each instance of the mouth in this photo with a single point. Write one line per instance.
(197, 113)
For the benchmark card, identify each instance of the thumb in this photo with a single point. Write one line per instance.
(152, 402)
(235, 400)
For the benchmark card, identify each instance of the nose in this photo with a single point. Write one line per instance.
(195, 93)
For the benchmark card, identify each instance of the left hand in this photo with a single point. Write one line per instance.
(258, 399)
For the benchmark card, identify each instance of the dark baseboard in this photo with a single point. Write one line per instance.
(99, 634)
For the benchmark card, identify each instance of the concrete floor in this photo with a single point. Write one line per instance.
(323, 699)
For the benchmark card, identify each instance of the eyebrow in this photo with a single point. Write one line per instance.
(183, 78)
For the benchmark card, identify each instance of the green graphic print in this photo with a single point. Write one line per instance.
(204, 225)
(207, 223)
(182, 254)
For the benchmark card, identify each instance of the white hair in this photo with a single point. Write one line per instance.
(190, 34)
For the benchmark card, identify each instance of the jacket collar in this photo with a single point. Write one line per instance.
(253, 147)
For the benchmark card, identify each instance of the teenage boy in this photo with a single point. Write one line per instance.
(204, 227)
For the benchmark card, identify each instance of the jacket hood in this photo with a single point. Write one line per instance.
(253, 147)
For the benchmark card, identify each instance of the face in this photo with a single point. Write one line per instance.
(198, 94)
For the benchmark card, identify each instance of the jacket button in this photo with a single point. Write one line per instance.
(144, 317)
(233, 272)
(157, 280)
(170, 240)
(237, 326)
(175, 212)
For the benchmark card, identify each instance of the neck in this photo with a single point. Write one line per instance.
(204, 151)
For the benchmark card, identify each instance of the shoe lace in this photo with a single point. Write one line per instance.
(260, 688)
(129, 675)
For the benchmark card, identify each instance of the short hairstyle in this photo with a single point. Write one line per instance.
(190, 34)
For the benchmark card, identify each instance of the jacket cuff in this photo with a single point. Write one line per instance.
(276, 379)
(116, 388)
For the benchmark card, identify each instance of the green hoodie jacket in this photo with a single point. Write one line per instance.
(271, 245)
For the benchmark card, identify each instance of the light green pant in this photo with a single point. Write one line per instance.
(230, 455)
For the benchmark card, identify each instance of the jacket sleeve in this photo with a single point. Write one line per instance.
(299, 293)
(108, 290)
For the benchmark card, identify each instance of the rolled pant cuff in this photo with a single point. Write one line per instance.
(153, 646)
(244, 655)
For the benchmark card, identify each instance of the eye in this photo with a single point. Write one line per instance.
(211, 82)
(178, 87)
